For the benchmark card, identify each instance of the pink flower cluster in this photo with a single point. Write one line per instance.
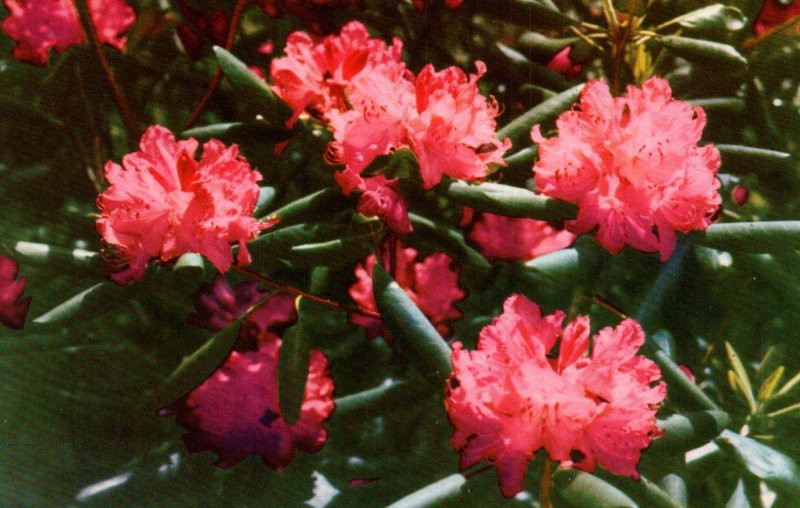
(500, 238)
(163, 203)
(236, 413)
(633, 167)
(513, 396)
(13, 308)
(39, 25)
(360, 86)
(432, 284)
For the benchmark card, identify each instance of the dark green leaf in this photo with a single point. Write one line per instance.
(452, 240)
(315, 206)
(779, 471)
(644, 491)
(739, 497)
(751, 236)
(713, 17)
(753, 159)
(410, 329)
(703, 50)
(519, 129)
(510, 201)
(215, 130)
(254, 90)
(735, 104)
(86, 305)
(44, 253)
(587, 490)
(295, 354)
(434, 493)
(675, 486)
(544, 45)
(689, 430)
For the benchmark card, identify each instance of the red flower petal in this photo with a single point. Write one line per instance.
(13, 308)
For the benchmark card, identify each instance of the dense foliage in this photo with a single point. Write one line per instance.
(384, 143)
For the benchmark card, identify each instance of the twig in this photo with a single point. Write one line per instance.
(128, 118)
(299, 292)
(212, 86)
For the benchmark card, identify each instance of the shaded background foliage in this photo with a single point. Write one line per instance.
(78, 421)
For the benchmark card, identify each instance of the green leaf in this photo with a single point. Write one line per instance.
(754, 159)
(368, 401)
(755, 237)
(530, 13)
(434, 493)
(254, 90)
(713, 17)
(200, 364)
(339, 249)
(676, 379)
(52, 254)
(295, 354)
(544, 45)
(786, 411)
(88, 304)
(739, 497)
(189, 269)
(703, 50)
(587, 490)
(265, 197)
(776, 469)
(644, 491)
(452, 241)
(410, 329)
(675, 486)
(510, 201)
(742, 378)
(314, 207)
(523, 157)
(735, 104)
(313, 243)
(214, 130)
(689, 430)
(558, 264)
(519, 129)
(790, 386)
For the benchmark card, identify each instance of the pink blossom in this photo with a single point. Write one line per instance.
(432, 284)
(562, 63)
(219, 305)
(39, 25)
(453, 132)
(379, 197)
(313, 74)
(633, 167)
(500, 238)
(235, 413)
(511, 396)
(13, 308)
(162, 203)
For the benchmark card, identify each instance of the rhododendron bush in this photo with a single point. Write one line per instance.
(432, 253)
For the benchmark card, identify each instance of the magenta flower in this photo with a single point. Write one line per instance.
(432, 284)
(512, 396)
(774, 13)
(235, 413)
(633, 166)
(218, 305)
(13, 308)
(163, 203)
(41, 25)
(422, 5)
(379, 197)
(500, 238)
(562, 63)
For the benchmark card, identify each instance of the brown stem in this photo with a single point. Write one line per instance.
(212, 86)
(299, 292)
(544, 485)
(128, 118)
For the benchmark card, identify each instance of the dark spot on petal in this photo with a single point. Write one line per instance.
(269, 417)
(576, 456)
(485, 148)
(454, 383)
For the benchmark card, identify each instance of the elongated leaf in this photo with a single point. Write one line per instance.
(587, 490)
(381, 396)
(523, 158)
(739, 497)
(265, 197)
(44, 253)
(289, 242)
(410, 329)
(689, 430)
(770, 384)
(751, 152)
(452, 241)
(341, 249)
(675, 486)
(189, 269)
(768, 464)
(314, 207)
(295, 354)
(792, 410)
(735, 104)
(530, 13)
(741, 375)
(703, 50)
(88, 304)
(544, 45)
(199, 365)
(714, 17)
(676, 379)
(560, 263)
(253, 89)
(753, 237)
(644, 491)
(214, 130)
(520, 128)
(510, 201)
(434, 493)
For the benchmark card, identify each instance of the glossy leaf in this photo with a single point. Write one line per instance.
(510, 201)
(714, 16)
(768, 464)
(700, 50)
(434, 493)
(519, 129)
(86, 305)
(410, 329)
(587, 490)
(751, 236)
(452, 241)
(689, 430)
(295, 354)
